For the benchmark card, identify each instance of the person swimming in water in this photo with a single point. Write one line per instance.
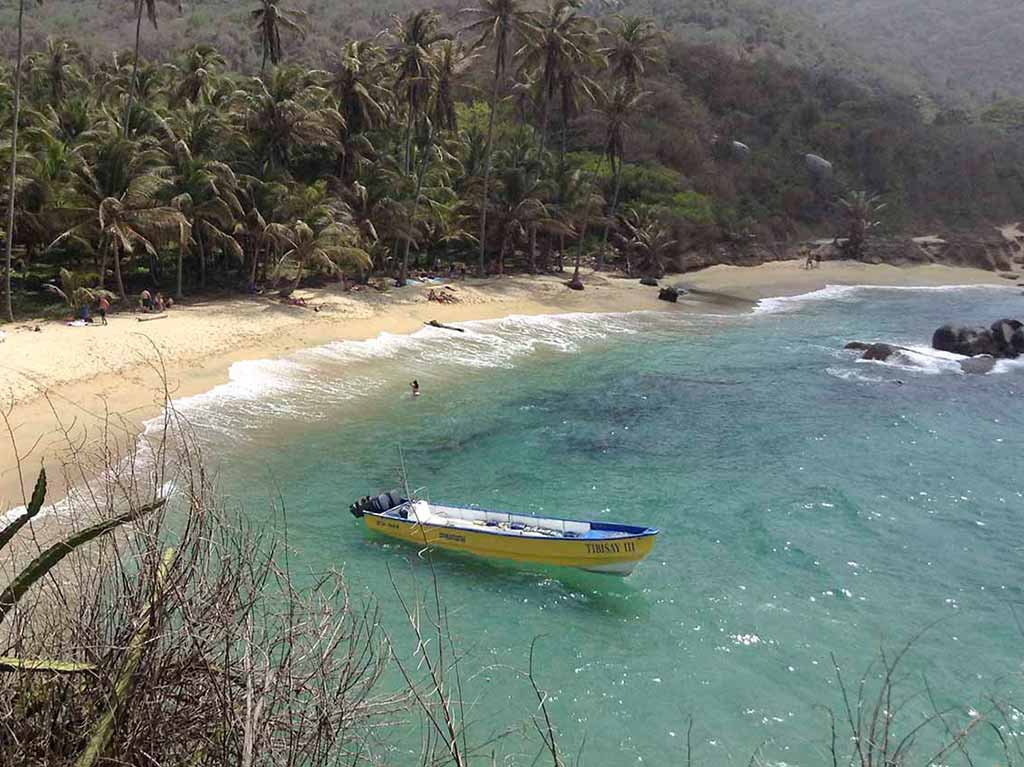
(415, 388)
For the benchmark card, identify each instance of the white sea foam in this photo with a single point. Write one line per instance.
(307, 383)
(839, 292)
(788, 303)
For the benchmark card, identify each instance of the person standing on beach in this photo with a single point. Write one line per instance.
(104, 308)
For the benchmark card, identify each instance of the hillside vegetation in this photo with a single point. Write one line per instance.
(961, 46)
(394, 141)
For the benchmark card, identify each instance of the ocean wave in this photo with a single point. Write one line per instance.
(307, 383)
(921, 359)
(779, 304)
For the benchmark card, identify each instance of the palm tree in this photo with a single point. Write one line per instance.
(635, 44)
(412, 56)
(357, 83)
(205, 191)
(334, 246)
(149, 6)
(498, 21)
(859, 210)
(58, 67)
(117, 204)
(197, 76)
(15, 116)
(286, 112)
(617, 106)
(452, 62)
(582, 205)
(269, 19)
(522, 211)
(645, 242)
(562, 41)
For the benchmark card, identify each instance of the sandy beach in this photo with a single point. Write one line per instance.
(66, 385)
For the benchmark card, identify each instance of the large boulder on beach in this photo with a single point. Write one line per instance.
(650, 282)
(879, 352)
(668, 294)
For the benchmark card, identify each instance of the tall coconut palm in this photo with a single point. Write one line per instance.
(412, 56)
(149, 6)
(12, 188)
(497, 22)
(635, 44)
(205, 191)
(357, 81)
(562, 41)
(617, 106)
(269, 19)
(452, 62)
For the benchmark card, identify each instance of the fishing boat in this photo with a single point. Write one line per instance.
(599, 547)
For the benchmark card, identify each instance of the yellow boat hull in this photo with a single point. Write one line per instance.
(617, 556)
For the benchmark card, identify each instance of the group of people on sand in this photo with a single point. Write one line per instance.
(85, 313)
(149, 303)
(811, 258)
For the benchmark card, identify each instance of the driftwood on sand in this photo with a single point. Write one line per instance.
(150, 319)
(436, 324)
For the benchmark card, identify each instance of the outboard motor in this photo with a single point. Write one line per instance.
(377, 504)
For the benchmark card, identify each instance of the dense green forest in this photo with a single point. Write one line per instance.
(966, 48)
(517, 134)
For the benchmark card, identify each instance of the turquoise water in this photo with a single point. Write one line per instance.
(810, 505)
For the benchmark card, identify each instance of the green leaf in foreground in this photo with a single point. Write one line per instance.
(46, 561)
(33, 508)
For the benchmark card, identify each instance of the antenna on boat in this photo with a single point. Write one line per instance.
(403, 475)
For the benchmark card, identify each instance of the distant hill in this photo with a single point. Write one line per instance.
(744, 28)
(955, 52)
(968, 47)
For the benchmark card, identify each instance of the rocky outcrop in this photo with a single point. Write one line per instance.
(981, 251)
(668, 294)
(879, 352)
(1004, 339)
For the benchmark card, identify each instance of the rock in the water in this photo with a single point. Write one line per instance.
(1017, 341)
(959, 339)
(668, 294)
(879, 352)
(857, 346)
(978, 365)
(1003, 340)
(649, 282)
(574, 284)
(1003, 332)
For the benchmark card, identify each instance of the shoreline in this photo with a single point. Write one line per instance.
(83, 386)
